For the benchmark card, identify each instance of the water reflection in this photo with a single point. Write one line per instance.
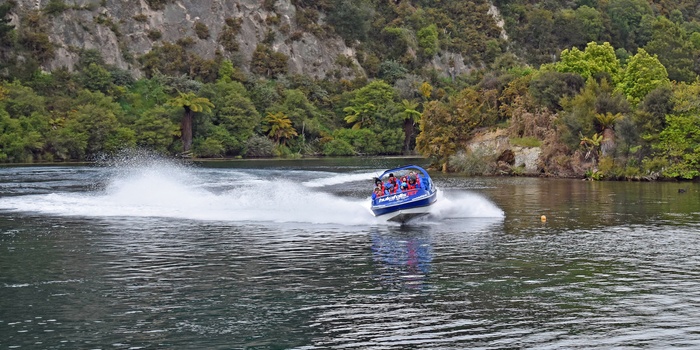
(403, 260)
(615, 266)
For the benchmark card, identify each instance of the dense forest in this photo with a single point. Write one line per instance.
(606, 88)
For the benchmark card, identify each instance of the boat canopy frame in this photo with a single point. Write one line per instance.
(409, 167)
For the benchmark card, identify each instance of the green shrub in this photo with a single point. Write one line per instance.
(267, 62)
(211, 147)
(140, 18)
(201, 30)
(363, 141)
(55, 7)
(227, 37)
(154, 34)
(260, 147)
(338, 147)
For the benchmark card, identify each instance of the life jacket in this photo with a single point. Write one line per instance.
(394, 186)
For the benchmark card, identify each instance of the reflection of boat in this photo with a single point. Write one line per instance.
(403, 259)
(402, 205)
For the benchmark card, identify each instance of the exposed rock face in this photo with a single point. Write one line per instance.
(119, 29)
(496, 142)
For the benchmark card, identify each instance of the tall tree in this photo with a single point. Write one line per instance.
(410, 116)
(438, 137)
(192, 104)
(643, 74)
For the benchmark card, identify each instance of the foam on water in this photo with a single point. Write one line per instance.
(341, 179)
(167, 190)
(158, 188)
(459, 204)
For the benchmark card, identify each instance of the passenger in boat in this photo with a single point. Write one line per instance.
(378, 192)
(392, 185)
(412, 183)
(378, 183)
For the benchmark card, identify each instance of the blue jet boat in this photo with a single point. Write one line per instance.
(404, 204)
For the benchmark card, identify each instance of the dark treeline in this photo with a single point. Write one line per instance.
(605, 88)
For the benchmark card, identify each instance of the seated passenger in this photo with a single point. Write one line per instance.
(378, 183)
(392, 184)
(412, 183)
(378, 192)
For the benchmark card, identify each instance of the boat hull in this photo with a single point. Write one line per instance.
(398, 209)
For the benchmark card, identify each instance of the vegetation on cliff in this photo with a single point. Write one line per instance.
(608, 89)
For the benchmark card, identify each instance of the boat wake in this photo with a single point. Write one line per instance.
(170, 190)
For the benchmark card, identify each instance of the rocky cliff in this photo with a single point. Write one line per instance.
(123, 30)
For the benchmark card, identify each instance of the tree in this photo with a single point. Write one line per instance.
(410, 116)
(548, 88)
(627, 20)
(444, 128)
(671, 44)
(438, 137)
(303, 114)
(538, 35)
(643, 74)
(391, 71)
(369, 104)
(279, 127)
(679, 144)
(607, 122)
(18, 143)
(592, 145)
(234, 119)
(428, 40)
(360, 116)
(591, 62)
(590, 23)
(155, 131)
(191, 104)
(95, 78)
(578, 117)
(351, 19)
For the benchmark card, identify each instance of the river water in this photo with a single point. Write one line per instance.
(153, 254)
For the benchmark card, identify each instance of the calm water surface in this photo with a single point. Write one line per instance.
(285, 255)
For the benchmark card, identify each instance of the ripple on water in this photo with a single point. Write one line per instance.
(130, 282)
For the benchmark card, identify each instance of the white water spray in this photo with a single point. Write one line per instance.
(158, 188)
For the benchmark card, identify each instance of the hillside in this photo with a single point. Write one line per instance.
(602, 87)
